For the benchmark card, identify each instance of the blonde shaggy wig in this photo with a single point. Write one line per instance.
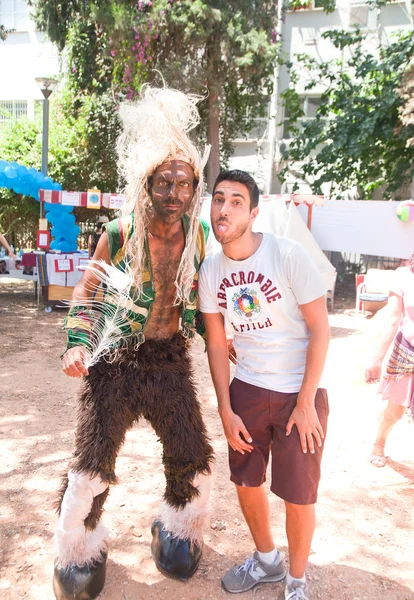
(155, 130)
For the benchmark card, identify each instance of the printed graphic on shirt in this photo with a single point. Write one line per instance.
(247, 309)
(246, 303)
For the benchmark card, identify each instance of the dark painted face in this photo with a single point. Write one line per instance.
(172, 190)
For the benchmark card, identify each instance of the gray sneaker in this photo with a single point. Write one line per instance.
(296, 591)
(252, 572)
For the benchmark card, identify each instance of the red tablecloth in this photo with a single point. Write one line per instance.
(28, 259)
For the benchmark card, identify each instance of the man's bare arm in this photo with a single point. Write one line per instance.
(394, 311)
(73, 361)
(218, 358)
(5, 243)
(304, 416)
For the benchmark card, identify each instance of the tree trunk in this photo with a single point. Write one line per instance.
(213, 165)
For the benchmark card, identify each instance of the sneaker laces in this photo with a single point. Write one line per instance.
(297, 594)
(248, 566)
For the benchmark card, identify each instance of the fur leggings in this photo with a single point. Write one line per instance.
(154, 382)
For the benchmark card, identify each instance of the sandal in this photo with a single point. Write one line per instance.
(377, 460)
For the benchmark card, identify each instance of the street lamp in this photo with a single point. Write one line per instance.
(47, 86)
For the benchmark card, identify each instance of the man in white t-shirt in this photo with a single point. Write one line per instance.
(265, 293)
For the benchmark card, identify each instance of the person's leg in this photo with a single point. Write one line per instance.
(295, 479)
(386, 421)
(175, 414)
(80, 539)
(248, 472)
(300, 525)
(255, 507)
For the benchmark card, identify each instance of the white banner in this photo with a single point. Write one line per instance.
(71, 198)
(361, 226)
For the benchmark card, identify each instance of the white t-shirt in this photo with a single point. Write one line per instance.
(259, 298)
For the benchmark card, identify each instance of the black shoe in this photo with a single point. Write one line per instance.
(174, 557)
(80, 583)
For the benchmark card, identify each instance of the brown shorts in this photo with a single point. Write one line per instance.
(295, 475)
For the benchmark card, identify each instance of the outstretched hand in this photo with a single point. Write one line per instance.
(74, 362)
(238, 437)
(307, 422)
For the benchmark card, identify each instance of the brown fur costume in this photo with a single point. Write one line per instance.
(155, 382)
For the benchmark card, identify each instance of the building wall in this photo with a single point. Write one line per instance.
(24, 55)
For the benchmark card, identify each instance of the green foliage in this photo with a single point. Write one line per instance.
(21, 142)
(4, 32)
(222, 47)
(225, 48)
(81, 155)
(357, 138)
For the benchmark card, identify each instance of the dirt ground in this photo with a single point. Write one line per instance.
(363, 547)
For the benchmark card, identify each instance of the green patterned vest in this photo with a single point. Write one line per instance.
(78, 322)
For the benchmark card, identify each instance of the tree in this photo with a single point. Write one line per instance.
(222, 49)
(81, 156)
(357, 138)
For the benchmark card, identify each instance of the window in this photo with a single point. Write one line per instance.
(309, 105)
(14, 14)
(361, 15)
(309, 4)
(10, 110)
(259, 127)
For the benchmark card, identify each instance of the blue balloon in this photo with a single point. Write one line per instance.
(39, 177)
(28, 181)
(52, 208)
(21, 170)
(66, 209)
(17, 185)
(69, 219)
(10, 172)
(65, 246)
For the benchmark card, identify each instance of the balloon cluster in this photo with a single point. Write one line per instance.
(64, 228)
(28, 182)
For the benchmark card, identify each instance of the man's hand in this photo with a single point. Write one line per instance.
(73, 362)
(306, 420)
(233, 429)
(232, 351)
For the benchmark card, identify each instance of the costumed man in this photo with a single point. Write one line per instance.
(131, 348)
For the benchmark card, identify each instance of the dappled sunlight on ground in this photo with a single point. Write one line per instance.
(364, 542)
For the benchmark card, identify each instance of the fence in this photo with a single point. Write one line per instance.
(352, 262)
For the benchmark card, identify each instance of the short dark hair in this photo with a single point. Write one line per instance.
(245, 179)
